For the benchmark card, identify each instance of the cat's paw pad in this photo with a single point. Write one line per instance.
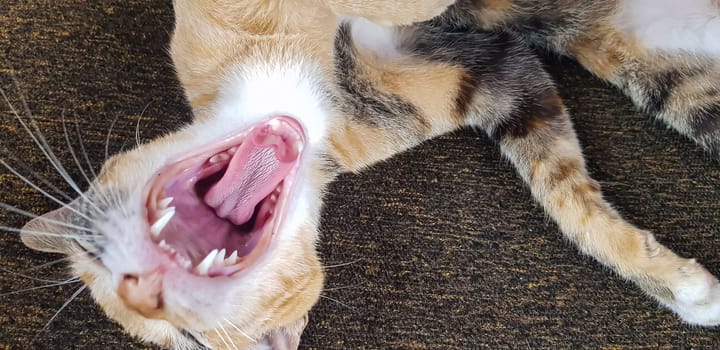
(697, 295)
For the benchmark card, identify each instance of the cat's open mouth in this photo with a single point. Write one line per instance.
(214, 212)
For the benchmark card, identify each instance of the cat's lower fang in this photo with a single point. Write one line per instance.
(216, 260)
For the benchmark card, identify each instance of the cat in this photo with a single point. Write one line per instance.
(287, 95)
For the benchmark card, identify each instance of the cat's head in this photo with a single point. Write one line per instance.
(206, 236)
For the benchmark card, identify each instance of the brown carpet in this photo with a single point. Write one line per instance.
(438, 248)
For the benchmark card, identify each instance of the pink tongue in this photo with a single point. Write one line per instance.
(257, 167)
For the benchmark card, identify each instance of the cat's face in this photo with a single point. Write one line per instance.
(206, 237)
(207, 232)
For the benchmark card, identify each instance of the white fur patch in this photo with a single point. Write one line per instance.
(673, 25)
(255, 93)
(379, 39)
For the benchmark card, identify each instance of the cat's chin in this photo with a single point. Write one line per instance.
(215, 212)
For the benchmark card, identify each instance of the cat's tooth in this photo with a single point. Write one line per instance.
(232, 259)
(274, 124)
(232, 150)
(163, 203)
(273, 197)
(219, 258)
(160, 223)
(203, 267)
(220, 157)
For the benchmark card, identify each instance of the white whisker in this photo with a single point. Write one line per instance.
(239, 330)
(49, 234)
(38, 177)
(31, 215)
(227, 346)
(40, 141)
(57, 261)
(337, 301)
(72, 151)
(84, 152)
(72, 297)
(340, 288)
(228, 336)
(31, 277)
(70, 281)
(107, 139)
(342, 264)
(43, 192)
(137, 126)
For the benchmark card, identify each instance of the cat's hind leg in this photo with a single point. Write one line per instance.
(491, 81)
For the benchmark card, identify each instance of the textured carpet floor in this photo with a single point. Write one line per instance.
(438, 248)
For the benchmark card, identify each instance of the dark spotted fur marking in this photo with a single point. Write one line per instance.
(707, 121)
(660, 89)
(533, 113)
(366, 102)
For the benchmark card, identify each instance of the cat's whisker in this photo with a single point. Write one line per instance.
(84, 151)
(57, 261)
(239, 330)
(61, 283)
(221, 338)
(72, 297)
(40, 141)
(72, 151)
(49, 234)
(341, 288)
(43, 192)
(342, 264)
(229, 338)
(36, 176)
(137, 126)
(17, 210)
(107, 138)
(28, 276)
(337, 301)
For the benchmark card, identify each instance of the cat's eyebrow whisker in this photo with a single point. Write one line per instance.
(17, 210)
(239, 330)
(72, 297)
(40, 141)
(43, 192)
(61, 283)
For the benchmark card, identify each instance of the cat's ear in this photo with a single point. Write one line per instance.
(47, 233)
(284, 338)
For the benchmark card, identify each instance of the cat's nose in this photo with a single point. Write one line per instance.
(142, 293)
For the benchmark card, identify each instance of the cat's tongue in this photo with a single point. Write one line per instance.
(260, 163)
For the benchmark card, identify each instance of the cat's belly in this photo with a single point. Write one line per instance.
(671, 25)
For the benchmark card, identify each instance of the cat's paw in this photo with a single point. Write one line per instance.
(697, 296)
